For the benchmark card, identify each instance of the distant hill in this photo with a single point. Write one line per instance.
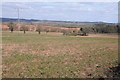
(51, 23)
(16, 20)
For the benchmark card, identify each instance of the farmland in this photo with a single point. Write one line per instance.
(51, 54)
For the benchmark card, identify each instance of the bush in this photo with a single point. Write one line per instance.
(72, 34)
(84, 34)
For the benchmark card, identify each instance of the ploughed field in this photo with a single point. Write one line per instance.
(49, 55)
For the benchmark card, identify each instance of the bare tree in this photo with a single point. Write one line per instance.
(39, 30)
(11, 26)
(24, 28)
(47, 30)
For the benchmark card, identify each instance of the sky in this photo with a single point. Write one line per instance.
(62, 11)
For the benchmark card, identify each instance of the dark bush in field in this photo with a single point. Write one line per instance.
(74, 33)
(82, 34)
(71, 34)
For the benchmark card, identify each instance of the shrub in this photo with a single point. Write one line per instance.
(72, 34)
(84, 34)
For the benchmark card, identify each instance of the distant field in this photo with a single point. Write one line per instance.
(54, 55)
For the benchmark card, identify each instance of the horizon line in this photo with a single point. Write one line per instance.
(59, 20)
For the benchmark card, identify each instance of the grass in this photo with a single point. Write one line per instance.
(54, 55)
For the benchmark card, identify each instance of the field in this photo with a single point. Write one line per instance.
(54, 55)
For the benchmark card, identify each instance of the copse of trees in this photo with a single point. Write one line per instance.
(11, 26)
(102, 28)
(107, 28)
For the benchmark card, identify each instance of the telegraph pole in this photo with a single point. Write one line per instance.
(18, 19)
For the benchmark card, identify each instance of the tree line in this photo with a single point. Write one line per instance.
(97, 28)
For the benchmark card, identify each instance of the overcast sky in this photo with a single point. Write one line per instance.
(63, 11)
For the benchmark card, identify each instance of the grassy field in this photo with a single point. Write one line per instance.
(54, 55)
